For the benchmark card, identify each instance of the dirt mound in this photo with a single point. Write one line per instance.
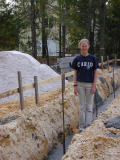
(35, 130)
(31, 133)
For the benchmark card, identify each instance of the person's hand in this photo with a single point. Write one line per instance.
(93, 89)
(76, 92)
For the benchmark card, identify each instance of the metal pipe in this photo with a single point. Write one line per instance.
(114, 79)
(63, 90)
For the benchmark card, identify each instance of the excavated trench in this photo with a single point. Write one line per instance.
(101, 140)
(38, 128)
(57, 152)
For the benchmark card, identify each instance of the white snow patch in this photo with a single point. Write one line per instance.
(13, 61)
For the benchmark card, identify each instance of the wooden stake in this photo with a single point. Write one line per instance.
(102, 61)
(114, 80)
(20, 90)
(115, 60)
(108, 62)
(36, 89)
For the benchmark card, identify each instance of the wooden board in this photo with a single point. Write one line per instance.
(30, 86)
(8, 93)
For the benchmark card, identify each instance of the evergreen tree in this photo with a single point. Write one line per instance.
(99, 21)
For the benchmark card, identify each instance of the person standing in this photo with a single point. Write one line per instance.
(85, 76)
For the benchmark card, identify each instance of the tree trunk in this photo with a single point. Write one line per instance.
(102, 26)
(92, 33)
(33, 30)
(43, 38)
(60, 43)
(88, 24)
(44, 35)
(60, 30)
(63, 40)
(63, 9)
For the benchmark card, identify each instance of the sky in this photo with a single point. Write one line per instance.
(8, 1)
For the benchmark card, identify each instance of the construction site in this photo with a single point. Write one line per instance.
(59, 80)
(31, 126)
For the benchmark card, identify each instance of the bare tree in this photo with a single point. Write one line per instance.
(63, 40)
(45, 53)
(89, 17)
(60, 29)
(64, 9)
(33, 28)
(102, 26)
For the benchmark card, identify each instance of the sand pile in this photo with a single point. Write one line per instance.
(13, 61)
(97, 142)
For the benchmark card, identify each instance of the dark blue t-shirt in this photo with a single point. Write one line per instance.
(85, 66)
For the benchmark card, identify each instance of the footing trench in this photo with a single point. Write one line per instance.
(100, 141)
(32, 133)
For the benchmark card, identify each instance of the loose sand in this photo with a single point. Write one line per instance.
(37, 128)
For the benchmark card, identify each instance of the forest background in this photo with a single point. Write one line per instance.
(66, 21)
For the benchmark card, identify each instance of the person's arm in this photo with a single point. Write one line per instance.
(74, 66)
(75, 82)
(95, 77)
(93, 89)
(75, 77)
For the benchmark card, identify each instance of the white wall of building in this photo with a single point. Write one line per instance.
(53, 47)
